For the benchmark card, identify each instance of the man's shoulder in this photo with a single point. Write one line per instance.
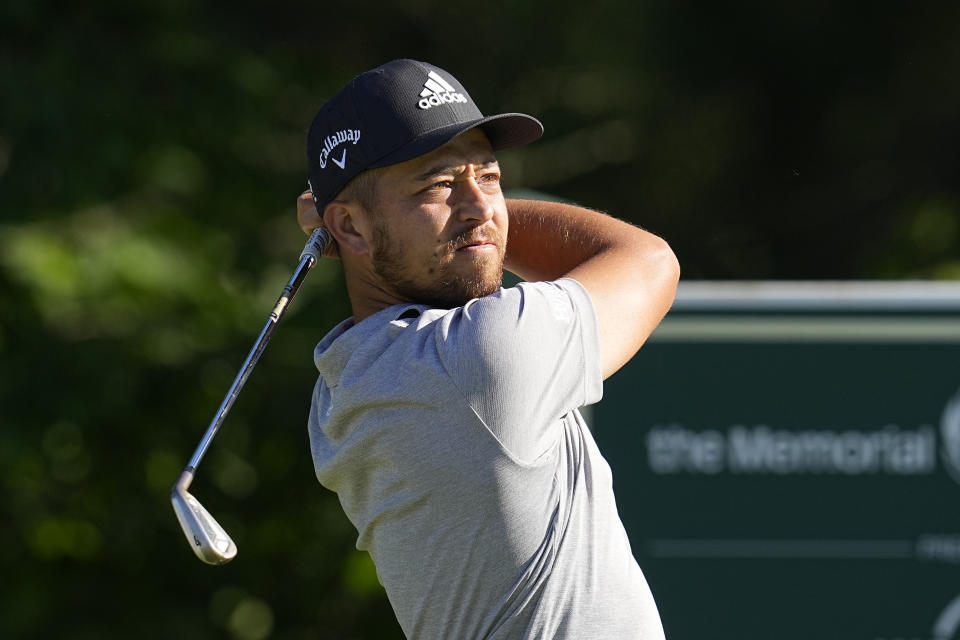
(514, 321)
(546, 301)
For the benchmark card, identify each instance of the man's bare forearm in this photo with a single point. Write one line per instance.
(630, 274)
(549, 239)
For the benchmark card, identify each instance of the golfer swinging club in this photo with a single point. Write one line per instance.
(445, 415)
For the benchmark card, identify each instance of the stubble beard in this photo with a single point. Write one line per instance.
(444, 289)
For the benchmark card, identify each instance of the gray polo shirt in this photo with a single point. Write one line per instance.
(453, 440)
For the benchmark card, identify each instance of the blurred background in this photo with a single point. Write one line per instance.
(150, 157)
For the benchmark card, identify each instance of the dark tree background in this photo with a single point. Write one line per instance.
(150, 155)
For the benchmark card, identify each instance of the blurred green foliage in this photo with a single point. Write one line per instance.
(150, 155)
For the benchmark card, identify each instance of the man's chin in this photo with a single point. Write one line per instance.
(457, 294)
(453, 292)
(453, 285)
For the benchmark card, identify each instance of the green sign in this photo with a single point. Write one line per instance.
(786, 460)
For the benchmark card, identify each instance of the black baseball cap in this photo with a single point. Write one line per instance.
(398, 111)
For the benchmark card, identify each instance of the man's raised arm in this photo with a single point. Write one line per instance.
(630, 274)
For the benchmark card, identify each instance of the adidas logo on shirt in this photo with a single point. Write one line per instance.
(436, 91)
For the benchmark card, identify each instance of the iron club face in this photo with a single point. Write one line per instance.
(206, 537)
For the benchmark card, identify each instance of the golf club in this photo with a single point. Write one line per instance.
(207, 538)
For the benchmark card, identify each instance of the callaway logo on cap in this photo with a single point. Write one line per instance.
(331, 142)
(396, 112)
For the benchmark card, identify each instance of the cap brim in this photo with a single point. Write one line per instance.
(504, 131)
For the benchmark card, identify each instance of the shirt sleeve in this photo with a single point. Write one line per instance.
(523, 358)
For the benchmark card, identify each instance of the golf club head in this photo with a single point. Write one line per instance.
(205, 535)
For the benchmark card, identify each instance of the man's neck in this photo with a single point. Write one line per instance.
(367, 299)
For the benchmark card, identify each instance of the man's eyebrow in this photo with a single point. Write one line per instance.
(445, 169)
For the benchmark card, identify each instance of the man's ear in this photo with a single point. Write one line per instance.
(349, 226)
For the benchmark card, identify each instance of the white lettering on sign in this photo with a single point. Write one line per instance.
(762, 450)
(677, 450)
(889, 450)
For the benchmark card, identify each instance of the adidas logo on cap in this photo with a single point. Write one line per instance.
(438, 91)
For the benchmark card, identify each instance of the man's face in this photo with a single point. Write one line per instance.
(440, 226)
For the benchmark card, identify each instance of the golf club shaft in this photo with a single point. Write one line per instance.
(312, 251)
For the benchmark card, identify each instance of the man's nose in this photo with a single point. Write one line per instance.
(473, 203)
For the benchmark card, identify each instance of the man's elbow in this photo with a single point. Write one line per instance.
(662, 263)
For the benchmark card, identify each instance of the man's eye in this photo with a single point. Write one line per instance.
(443, 184)
(490, 178)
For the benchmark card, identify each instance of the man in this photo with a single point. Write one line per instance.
(445, 416)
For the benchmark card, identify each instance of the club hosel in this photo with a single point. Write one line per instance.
(183, 482)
